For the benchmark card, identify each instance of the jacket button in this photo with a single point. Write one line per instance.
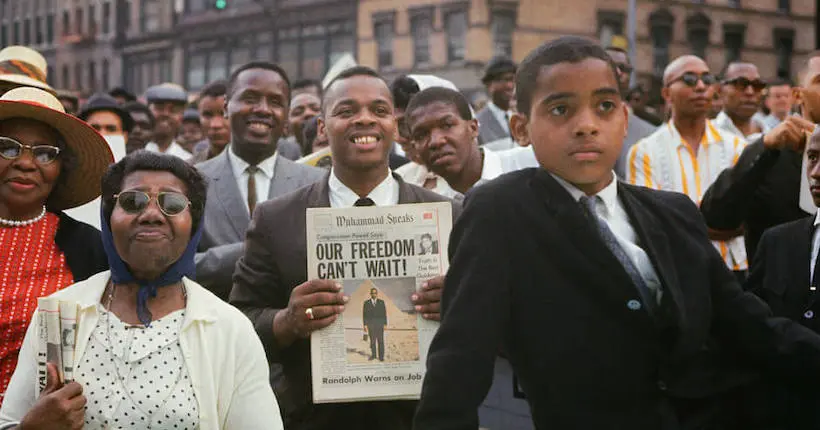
(808, 315)
(662, 386)
(633, 305)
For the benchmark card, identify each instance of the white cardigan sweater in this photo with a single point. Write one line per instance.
(224, 356)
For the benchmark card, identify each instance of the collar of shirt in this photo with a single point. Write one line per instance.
(239, 165)
(173, 149)
(710, 135)
(725, 122)
(609, 195)
(500, 114)
(385, 194)
(491, 168)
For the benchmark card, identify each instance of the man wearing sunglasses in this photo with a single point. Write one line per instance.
(742, 92)
(688, 153)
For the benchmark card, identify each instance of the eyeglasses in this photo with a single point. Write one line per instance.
(135, 202)
(743, 83)
(11, 149)
(626, 69)
(691, 79)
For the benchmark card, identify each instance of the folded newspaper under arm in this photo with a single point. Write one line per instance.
(57, 336)
(381, 256)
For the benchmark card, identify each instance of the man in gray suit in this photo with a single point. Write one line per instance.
(637, 128)
(248, 172)
(494, 119)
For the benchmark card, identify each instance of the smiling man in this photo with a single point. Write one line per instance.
(271, 285)
(742, 92)
(688, 153)
(303, 107)
(249, 172)
(167, 103)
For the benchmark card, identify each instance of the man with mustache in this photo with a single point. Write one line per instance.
(763, 189)
(248, 172)
(742, 91)
(167, 103)
(688, 153)
(271, 285)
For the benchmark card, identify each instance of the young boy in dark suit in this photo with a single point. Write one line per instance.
(612, 305)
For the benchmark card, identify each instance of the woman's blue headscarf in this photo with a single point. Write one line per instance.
(184, 267)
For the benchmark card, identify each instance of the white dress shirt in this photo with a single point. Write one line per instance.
(173, 149)
(385, 194)
(815, 246)
(610, 209)
(263, 176)
(725, 122)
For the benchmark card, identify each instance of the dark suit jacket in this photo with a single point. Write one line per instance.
(762, 190)
(374, 315)
(550, 293)
(275, 262)
(82, 246)
(780, 276)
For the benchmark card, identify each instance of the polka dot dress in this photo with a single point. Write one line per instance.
(134, 377)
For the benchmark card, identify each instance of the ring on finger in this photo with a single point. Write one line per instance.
(309, 313)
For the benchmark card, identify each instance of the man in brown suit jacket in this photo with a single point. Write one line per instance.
(270, 283)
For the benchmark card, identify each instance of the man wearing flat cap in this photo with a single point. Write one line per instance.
(167, 103)
(494, 119)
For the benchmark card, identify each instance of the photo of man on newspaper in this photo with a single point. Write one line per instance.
(384, 327)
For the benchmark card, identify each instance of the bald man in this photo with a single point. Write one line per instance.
(688, 153)
(742, 91)
(763, 189)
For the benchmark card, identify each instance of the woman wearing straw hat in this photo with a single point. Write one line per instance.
(49, 162)
(154, 349)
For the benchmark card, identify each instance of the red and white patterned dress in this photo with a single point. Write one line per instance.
(31, 266)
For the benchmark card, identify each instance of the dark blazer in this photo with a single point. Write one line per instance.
(82, 246)
(275, 261)
(780, 276)
(762, 190)
(374, 315)
(550, 294)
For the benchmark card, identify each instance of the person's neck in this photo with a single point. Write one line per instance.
(254, 154)
(595, 188)
(121, 299)
(470, 174)
(745, 125)
(361, 181)
(21, 213)
(691, 129)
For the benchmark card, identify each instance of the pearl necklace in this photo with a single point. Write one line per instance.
(15, 223)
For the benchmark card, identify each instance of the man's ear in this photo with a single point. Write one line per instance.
(473, 125)
(519, 129)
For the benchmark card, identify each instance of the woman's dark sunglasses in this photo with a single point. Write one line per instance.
(135, 202)
(743, 83)
(11, 149)
(691, 79)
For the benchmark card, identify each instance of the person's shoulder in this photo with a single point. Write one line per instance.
(788, 229)
(659, 134)
(303, 170)
(86, 292)
(70, 225)
(212, 167)
(297, 198)
(509, 183)
(669, 204)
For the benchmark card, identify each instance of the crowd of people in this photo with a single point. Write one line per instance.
(633, 267)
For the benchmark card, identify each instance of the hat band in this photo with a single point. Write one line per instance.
(17, 67)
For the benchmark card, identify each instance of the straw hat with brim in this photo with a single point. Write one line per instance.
(23, 66)
(93, 156)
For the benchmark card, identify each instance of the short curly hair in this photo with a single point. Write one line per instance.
(197, 188)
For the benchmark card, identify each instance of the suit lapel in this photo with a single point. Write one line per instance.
(406, 192)
(319, 195)
(801, 278)
(229, 196)
(282, 177)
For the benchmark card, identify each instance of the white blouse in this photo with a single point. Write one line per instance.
(135, 377)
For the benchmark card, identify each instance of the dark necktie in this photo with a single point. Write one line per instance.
(611, 242)
(252, 197)
(364, 201)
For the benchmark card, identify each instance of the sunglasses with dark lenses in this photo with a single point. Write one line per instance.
(743, 83)
(691, 79)
(135, 202)
(11, 149)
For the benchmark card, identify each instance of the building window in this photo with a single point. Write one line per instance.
(65, 81)
(308, 52)
(697, 28)
(784, 46)
(383, 31)
(196, 70)
(339, 46)
(38, 30)
(661, 22)
(195, 5)
(150, 16)
(50, 28)
(733, 35)
(78, 76)
(734, 3)
(78, 21)
(92, 76)
(784, 6)
(126, 16)
(218, 65)
(264, 47)
(456, 24)
(106, 18)
(92, 19)
(66, 24)
(4, 41)
(106, 83)
(421, 26)
(27, 31)
(502, 27)
(16, 34)
(50, 75)
(610, 24)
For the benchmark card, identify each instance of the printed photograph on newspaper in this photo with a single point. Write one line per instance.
(377, 348)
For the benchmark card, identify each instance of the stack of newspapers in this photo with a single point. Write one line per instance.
(57, 330)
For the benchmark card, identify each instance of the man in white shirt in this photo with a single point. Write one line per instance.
(780, 101)
(445, 134)
(495, 117)
(742, 92)
(689, 152)
(167, 103)
(270, 284)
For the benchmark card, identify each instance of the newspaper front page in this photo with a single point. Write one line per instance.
(377, 349)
